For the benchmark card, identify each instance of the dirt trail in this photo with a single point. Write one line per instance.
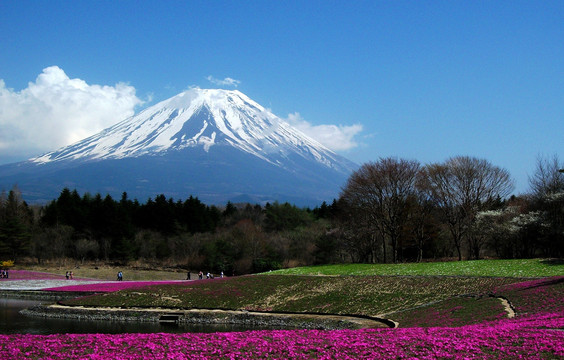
(507, 307)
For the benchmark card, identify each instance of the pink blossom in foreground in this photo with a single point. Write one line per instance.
(539, 337)
(112, 286)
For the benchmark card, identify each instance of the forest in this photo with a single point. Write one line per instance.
(389, 211)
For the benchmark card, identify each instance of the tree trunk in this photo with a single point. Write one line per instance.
(384, 249)
(458, 249)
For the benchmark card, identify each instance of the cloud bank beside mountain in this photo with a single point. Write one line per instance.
(56, 110)
(335, 137)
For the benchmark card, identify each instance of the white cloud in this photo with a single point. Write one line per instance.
(225, 82)
(335, 137)
(55, 111)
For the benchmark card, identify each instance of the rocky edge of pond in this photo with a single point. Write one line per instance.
(209, 316)
(42, 295)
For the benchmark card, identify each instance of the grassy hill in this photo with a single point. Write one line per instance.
(498, 268)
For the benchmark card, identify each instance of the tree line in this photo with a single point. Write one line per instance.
(391, 210)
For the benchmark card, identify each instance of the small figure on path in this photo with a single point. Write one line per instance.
(200, 275)
(67, 275)
(71, 275)
(188, 276)
(221, 274)
(120, 276)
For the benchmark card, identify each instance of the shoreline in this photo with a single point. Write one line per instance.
(42, 294)
(209, 316)
(188, 316)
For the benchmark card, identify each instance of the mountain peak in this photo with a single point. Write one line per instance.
(198, 117)
(212, 143)
(210, 96)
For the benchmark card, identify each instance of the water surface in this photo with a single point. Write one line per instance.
(12, 322)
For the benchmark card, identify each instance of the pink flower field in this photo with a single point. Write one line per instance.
(537, 332)
(539, 337)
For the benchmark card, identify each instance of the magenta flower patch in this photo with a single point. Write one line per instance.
(539, 337)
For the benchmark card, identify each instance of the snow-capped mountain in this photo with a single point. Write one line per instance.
(215, 144)
(199, 117)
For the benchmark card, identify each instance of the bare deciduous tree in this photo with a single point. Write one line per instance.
(381, 191)
(461, 187)
(547, 185)
(422, 224)
(547, 178)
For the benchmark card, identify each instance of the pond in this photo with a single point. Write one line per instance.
(12, 322)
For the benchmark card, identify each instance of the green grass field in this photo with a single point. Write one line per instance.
(497, 268)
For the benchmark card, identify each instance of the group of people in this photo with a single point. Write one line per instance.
(69, 275)
(3, 274)
(201, 275)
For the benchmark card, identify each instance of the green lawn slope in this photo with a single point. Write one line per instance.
(497, 268)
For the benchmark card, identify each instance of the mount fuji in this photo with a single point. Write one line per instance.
(217, 145)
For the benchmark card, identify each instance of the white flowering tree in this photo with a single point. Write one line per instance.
(492, 229)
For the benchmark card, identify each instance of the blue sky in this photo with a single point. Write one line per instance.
(422, 80)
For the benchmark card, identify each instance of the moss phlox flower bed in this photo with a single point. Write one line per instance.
(528, 338)
(440, 317)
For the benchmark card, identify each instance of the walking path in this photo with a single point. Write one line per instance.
(507, 307)
(41, 284)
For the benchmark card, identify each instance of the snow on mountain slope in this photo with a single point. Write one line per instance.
(204, 118)
(217, 145)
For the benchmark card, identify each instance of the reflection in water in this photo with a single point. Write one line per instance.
(12, 322)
